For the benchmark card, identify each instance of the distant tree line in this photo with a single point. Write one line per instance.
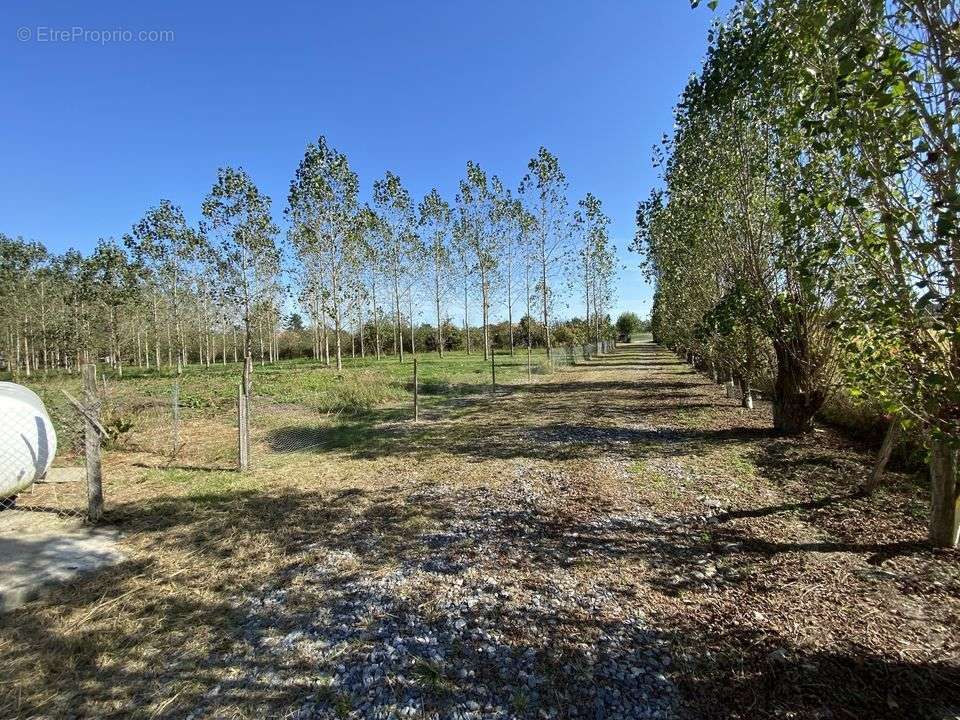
(389, 276)
(807, 237)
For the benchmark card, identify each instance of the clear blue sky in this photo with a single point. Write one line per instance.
(95, 129)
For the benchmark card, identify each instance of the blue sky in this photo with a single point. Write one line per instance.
(96, 128)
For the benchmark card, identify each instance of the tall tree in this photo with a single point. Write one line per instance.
(545, 188)
(477, 214)
(506, 219)
(167, 246)
(436, 219)
(398, 240)
(238, 217)
(463, 256)
(322, 207)
(882, 100)
(114, 281)
(371, 232)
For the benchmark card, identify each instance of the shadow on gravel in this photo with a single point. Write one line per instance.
(349, 603)
(490, 430)
(520, 658)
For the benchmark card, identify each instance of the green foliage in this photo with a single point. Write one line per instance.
(810, 222)
(628, 325)
(244, 252)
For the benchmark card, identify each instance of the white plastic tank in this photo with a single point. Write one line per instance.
(27, 439)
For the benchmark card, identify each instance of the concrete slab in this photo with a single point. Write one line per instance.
(71, 474)
(39, 550)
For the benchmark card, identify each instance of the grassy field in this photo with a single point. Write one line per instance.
(138, 407)
(362, 384)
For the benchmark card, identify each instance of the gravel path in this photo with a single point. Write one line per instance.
(471, 629)
(520, 600)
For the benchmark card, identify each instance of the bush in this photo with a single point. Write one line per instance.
(628, 325)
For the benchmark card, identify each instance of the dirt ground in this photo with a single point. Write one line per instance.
(613, 540)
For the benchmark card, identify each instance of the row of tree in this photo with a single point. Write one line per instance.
(296, 339)
(366, 274)
(807, 237)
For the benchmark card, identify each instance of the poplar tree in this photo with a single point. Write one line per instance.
(114, 282)
(397, 240)
(237, 216)
(545, 189)
(477, 212)
(168, 247)
(436, 219)
(322, 207)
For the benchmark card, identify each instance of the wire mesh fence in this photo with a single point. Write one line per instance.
(575, 354)
(180, 422)
(42, 466)
(193, 421)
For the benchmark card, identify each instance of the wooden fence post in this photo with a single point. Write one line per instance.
(243, 429)
(416, 392)
(175, 430)
(493, 370)
(92, 444)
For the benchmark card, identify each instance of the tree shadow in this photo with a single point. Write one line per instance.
(358, 600)
(787, 507)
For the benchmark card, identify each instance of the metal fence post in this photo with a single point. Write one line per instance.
(92, 444)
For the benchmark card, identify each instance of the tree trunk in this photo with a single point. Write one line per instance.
(436, 275)
(316, 328)
(546, 294)
(529, 323)
(883, 457)
(945, 494)
(466, 319)
(336, 328)
(486, 312)
(326, 341)
(260, 340)
(586, 289)
(376, 313)
(510, 299)
(746, 382)
(413, 341)
(156, 333)
(796, 400)
(363, 351)
(399, 332)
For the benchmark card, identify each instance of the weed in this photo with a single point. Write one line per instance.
(520, 701)
(431, 677)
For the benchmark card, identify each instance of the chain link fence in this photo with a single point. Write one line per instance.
(184, 422)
